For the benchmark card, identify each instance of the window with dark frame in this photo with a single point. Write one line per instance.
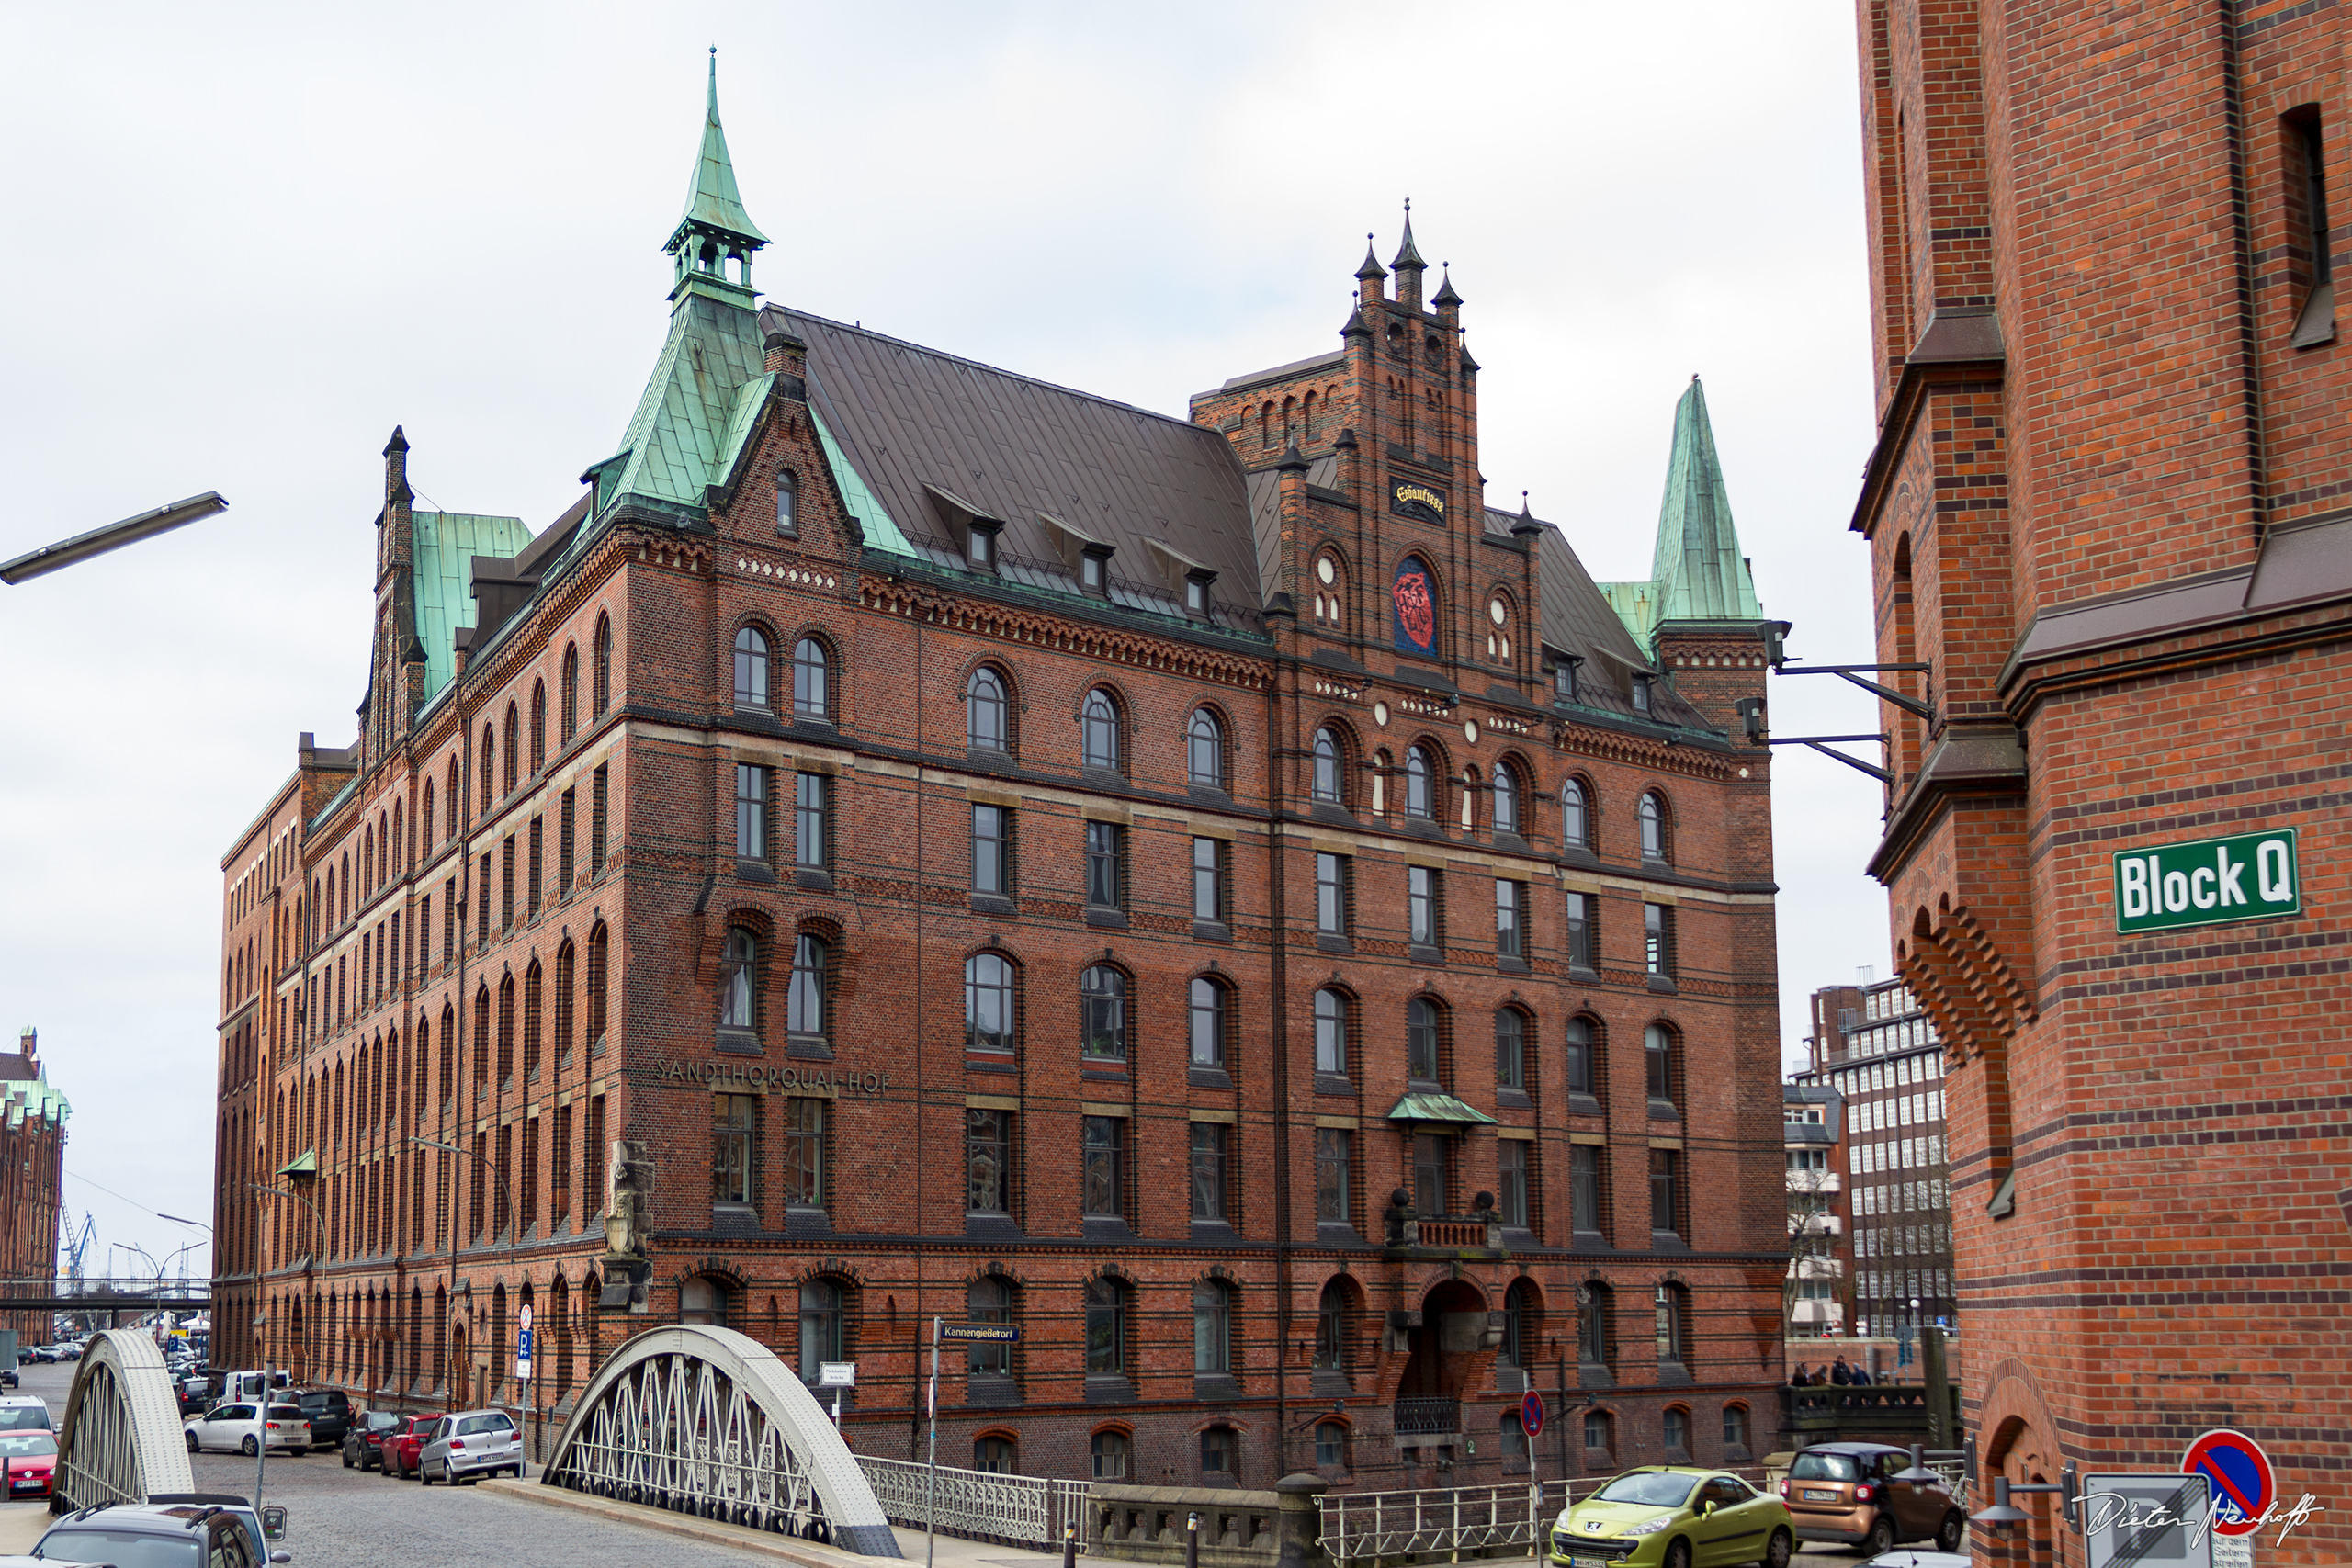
(1106, 1330)
(1651, 815)
(1432, 1173)
(1205, 750)
(1421, 1041)
(1109, 1449)
(1661, 1072)
(985, 718)
(1209, 860)
(1421, 913)
(811, 681)
(811, 821)
(787, 505)
(1208, 1170)
(1576, 815)
(564, 842)
(823, 1327)
(1208, 1022)
(1330, 893)
(751, 668)
(599, 819)
(739, 980)
(991, 851)
(1665, 1181)
(1584, 1187)
(1102, 1175)
(2315, 316)
(1330, 1032)
(751, 812)
(988, 1003)
(1581, 930)
(1511, 1049)
(1212, 1336)
(1331, 1328)
(1418, 789)
(1333, 1154)
(1658, 939)
(989, 1300)
(805, 1186)
(731, 1119)
(1595, 1344)
(1511, 1181)
(1641, 694)
(1506, 798)
(987, 1161)
(1578, 1033)
(1328, 768)
(1103, 1006)
(804, 1006)
(1511, 918)
(1098, 731)
(1673, 1331)
(1105, 847)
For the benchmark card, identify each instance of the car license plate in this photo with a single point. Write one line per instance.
(1589, 1561)
(1813, 1495)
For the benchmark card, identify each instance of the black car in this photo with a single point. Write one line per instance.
(197, 1535)
(365, 1446)
(329, 1412)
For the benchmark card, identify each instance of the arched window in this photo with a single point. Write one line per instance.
(1736, 1431)
(486, 762)
(1205, 750)
(1221, 1456)
(751, 668)
(1102, 1004)
(1596, 1346)
(1330, 1032)
(424, 818)
(985, 716)
(1584, 1076)
(804, 1009)
(1208, 1024)
(1110, 1454)
(1506, 798)
(1674, 1431)
(1673, 1310)
(539, 726)
(703, 1299)
(567, 969)
(568, 698)
(1327, 768)
(533, 1016)
(1099, 730)
(1331, 1328)
(1652, 814)
(1421, 1041)
(596, 954)
(811, 687)
(1419, 790)
(738, 983)
(787, 504)
(600, 674)
(451, 796)
(1511, 1049)
(988, 1003)
(1328, 590)
(823, 1324)
(1330, 1445)
(1521, 1322)
(1576, 815)
(995, 1456)
(1106, 1327)
(989, 1300)
(1498, 620)
(513, 746)
(1211, 1327)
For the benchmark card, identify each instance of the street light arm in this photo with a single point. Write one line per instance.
(113, 536)
(505, 1193)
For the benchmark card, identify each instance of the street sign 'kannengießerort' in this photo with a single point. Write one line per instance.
(2250, 876)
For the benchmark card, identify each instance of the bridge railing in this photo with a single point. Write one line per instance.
(1019, 1510)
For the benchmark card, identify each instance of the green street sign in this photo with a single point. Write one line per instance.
(2205, 882)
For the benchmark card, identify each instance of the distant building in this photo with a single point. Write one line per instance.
(1876, 1052)
(33, 1163)
(1817, 1292)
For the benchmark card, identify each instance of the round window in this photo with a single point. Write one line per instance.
(1498, 611)
(1324, 569)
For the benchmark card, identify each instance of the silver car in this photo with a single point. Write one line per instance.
(470, 1445)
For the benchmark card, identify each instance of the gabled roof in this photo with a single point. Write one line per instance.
(898, 418)
(446, 544)
(695, 411)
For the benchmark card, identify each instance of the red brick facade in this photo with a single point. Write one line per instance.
(2107, 508)
(892, 1087)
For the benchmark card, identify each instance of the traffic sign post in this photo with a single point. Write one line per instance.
(2243, 1486)
(2144, 1521)
(1531, 1416)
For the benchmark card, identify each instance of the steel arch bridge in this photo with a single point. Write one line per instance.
(708, 1421)
(121, 1438)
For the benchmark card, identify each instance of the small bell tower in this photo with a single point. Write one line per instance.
(713, 242)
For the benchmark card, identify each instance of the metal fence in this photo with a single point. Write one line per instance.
(1466, 1521)
(1018, 1510)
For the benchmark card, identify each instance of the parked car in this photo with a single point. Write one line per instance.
(403, 1447)
(30, 1459)
(25, 1413)
(243, 1429)
(1671, 1516)
(262, 1527)
(470, 1445)
(165, 1535)
(1850, 1493)
(7, 1377)
(328, 1410)
(364, 1444)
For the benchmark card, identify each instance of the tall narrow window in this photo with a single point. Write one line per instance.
(1421, 907)
(1211, 1336)
(812, 825)
(1505, 799)
(787, 505)
(567, 701)
(811, 681)
(1511, 918)
(1103, 865)
(1208, 1024)
(988, 1003)
(730, 1147)
(600, 674)
(1651, 814)
(1334, 1153)
(1658, 939)
(1106, 1331)
(751, 668)
(1419, 789)
(985, 720)
(539, 726)
(1103, 1006)
(991, 858)
(1584, 1187)
(988, 1300)
(599, 818)
(481, 901)
(1432, 1174)
(532, 886)
(1330, 1032)
(597, 943)
(1511, 1049)
(1662, 1071)
(1511, 1181)
(1209, 1170)
(1099, 730)
(822, 1334)
(506, 883)
(1580, 931)
(1208, 879)
(567, 965)
(1205, 750)
(804, 1185)
(1580, 1075)
(513, 749)
(533, 1019)
(738, 979)
(2315, 323)
(988, 1162)
(1666, 1190)
(1575, 821)
(1421, 1041)
(565, 813)
(1330, 894)
(805, 1001)
(1673, 1336)
(1327, 768)
(1102, 1180)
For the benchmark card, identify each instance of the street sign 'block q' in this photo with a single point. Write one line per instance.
(2204, 882)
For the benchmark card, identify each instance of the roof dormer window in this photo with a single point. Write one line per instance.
(979, 545)
(1196, 592)
(1094, 572)
(1642, 693)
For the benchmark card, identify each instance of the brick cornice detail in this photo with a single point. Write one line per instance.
(1061, 634)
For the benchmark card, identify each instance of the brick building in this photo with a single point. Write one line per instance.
(32, 1169)
(1212, 893)
(2106, 509)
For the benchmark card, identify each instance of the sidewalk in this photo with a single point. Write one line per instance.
(951, 1551)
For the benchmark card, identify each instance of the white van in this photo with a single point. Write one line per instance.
(254, 1385)
(24, 1412)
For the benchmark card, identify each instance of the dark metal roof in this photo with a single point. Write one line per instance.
(911, 419)
(1579, 620)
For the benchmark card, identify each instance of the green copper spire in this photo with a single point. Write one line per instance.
(714, 242)
(1697, 573)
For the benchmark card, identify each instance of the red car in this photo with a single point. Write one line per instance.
(402, 1446)
(31, 1459)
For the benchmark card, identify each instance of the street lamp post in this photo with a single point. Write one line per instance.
(197, 1224)
(514, 1223)
(261, 1435)
(113, 536)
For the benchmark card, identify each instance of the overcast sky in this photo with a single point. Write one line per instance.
(242, 242)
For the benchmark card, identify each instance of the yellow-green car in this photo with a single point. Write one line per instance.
(1674, 1515)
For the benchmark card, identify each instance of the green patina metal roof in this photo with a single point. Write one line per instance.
(696, 410)
(1697, 573)
(34, 1096)
(1438, 1108)
(446, 544)
(712, 201)
(882, 532)
(304, 1163)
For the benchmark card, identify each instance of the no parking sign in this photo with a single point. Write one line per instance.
(2237, 1470)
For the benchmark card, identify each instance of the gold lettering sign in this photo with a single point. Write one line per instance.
(1417, 500)
(785, 1078)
